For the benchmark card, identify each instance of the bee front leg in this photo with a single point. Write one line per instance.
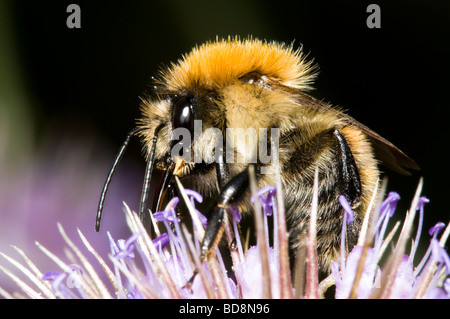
(234, 188)
(223, 174)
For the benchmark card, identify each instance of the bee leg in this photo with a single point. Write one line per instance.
(349, 184)
(148, 177)
(223, 174)
(228, 194)
(161, 190)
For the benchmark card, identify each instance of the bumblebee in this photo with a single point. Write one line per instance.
(234, 84)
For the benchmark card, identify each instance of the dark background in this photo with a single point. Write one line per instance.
(395, 79)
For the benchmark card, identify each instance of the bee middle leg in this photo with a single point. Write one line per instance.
(229, 193)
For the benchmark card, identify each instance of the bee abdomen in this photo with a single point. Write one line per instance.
(338, 175)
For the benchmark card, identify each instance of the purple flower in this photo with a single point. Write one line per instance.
(249, 274)
(267, 196)
(390, 203)
(194, 196)
(439, 255)
(168, 266)
(406, 282)
(347, 209)
(126, 247)
(161, 241)
(235, 214)
(344, 280)
(167, 215)
(63, 283)
(436, 229)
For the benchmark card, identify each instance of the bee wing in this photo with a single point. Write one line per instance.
(390, 156)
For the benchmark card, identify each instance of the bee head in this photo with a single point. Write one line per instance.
(221, 84)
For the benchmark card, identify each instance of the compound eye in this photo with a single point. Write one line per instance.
(182, 114)
(183, 117)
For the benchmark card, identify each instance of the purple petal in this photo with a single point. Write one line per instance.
(126, 247)
(164, 216)
(436, 229)
(447, 286)
(344, 278)
(124, 251)
(404, 280)
(446, 261)
(346, 206)
(52, 275)
(195, 195)
(336, 273)
(172, 204)
(422, 201)
(270, 190)
(162, 240)
(249, 273)
(436, 251)
(234, 211)
(76, 269)
(55, 278)
(202, 218)
(390, 203)
(439, 254)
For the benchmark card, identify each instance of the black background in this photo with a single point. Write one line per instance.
(394, 79)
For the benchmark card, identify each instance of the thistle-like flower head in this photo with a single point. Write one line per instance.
(169, 266)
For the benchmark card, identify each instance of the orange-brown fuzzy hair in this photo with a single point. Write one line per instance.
(216, 63)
